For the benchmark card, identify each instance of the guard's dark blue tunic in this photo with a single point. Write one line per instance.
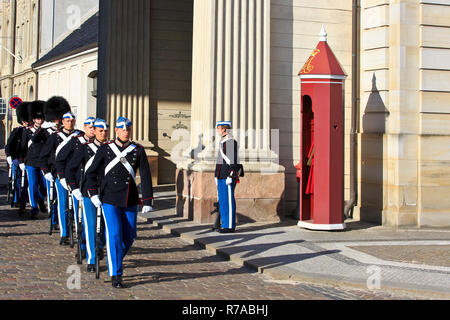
(76, 166)
(117, 186)
(13, 145)
(47, 156)
(67, 152)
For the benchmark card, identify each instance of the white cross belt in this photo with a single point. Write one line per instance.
(33, 130)
(65, 141)
(91, 160)
(120, 157)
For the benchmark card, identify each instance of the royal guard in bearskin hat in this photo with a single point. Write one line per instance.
(31, 146)
(14, 156)
(54, 109)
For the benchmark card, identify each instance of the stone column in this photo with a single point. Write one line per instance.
(126, 68)
(231, 78)
(402, 123)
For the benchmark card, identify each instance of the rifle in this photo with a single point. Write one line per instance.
(22, 185)
(70, 219)
(98, 239)
(51, 204)
(79, 232)
(217, 222)
(10, 184)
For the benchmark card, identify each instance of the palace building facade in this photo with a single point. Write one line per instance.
(176, 67)
(183, 65)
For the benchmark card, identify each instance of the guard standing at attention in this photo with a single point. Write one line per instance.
(227, 176)
(31, 147)
(14, 154)
(75, 176)
(117, 161)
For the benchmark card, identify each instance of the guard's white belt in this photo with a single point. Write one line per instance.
(65, 141)
(91, 160)
(224, 156)
(120, 158)
(33, 130)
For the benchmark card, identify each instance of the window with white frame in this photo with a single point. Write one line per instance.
(3, 106)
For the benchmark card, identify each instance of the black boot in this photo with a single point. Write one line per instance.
(117, 282)
(227, 230)
(64, 241)
(42, 207)
(91, 268)
(34, 213)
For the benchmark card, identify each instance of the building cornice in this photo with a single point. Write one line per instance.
(64, 58)
(69, 55)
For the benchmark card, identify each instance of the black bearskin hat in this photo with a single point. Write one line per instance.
(22, 112)
(55, 108)
(36, 110)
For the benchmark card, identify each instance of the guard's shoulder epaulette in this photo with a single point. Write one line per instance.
(137, 144)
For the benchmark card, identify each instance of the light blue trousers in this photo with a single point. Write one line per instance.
(227, 204)
(121, 224)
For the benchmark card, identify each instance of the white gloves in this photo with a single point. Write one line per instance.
(229, 181)
(22, 167)
(77, 194)
(48, 125)
(96, 201)
(64, 184)
(147, 209)
(9, 160)
(49, 177)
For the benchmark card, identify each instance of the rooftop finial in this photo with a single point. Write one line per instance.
(323, 34)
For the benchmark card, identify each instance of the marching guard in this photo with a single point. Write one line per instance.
(227, 176)
(50, 126)
(66, 153)
(14, 156)
(31, 146)
(80, 162)
(50, 151)
(117, 193)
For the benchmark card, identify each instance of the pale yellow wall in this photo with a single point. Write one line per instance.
(295, 28)
(434, 117)
(26, 24)
(374, 110)
(405, 115)
(17, 77)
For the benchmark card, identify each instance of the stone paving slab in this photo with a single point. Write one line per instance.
(435, 255)
(287, 252)
(160, 266)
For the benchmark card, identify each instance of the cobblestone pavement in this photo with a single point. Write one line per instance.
(160, 266)
(431, 255)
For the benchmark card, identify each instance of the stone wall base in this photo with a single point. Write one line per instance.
(258, 197)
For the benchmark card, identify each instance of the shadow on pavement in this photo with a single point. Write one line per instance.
(158, 277)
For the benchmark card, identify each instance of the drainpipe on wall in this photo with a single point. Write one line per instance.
(348, 210)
